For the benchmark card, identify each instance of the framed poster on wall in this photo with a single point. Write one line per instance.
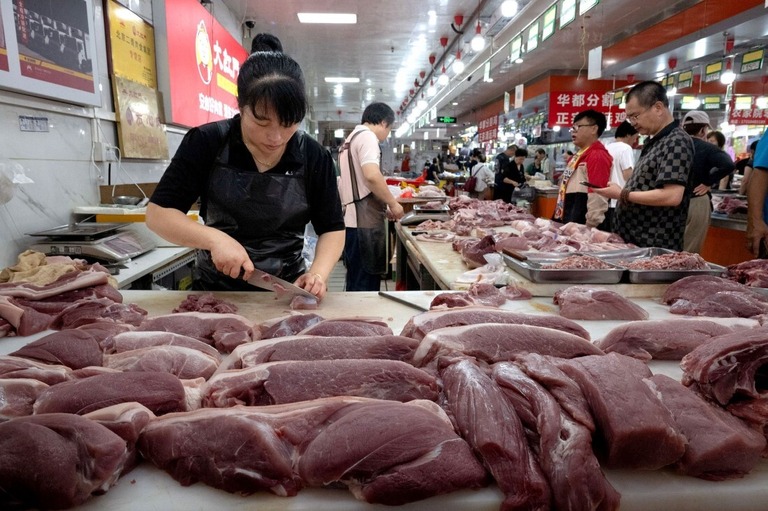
(51, 50)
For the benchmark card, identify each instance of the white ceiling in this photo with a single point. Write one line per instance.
(392, 40)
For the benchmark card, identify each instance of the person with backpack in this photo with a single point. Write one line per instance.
(483, 177)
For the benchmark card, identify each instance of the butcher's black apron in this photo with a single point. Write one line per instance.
(266, 212)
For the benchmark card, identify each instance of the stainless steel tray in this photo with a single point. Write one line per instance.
(654, 276)
(533, 269)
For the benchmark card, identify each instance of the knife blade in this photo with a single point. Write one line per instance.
(264, 280)
(403, 301)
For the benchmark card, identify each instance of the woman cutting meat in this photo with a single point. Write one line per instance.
(260, 181)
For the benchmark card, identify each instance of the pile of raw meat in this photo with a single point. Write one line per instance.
(475, 219)
(752, 273)
(460, 398)
(579, 262)
(668, 261)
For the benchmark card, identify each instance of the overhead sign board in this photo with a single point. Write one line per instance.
(446, 119)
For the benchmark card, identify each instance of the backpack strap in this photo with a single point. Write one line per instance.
(353, 177)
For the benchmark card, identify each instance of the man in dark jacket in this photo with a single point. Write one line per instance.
(710, 164)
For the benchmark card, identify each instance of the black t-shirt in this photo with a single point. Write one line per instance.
(186, 178)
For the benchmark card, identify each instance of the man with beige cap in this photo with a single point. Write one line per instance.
(710, 164)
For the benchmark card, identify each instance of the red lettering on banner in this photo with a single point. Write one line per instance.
(564, 106)
(751, 116)
(487, 129)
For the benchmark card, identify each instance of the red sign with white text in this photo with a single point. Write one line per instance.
(488, 129)
(753, 116)
(203, 63)
(564, 106)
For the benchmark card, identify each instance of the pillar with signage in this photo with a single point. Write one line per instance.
(565, 105)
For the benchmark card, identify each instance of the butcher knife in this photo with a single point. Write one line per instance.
(264, 280)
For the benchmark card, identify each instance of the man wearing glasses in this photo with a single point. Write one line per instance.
(591, 164)
(653, 205)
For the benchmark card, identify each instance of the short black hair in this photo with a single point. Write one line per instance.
(596, 117)
(376, 113)
(266, 42)
(647, 93)
(625, 129)
(521, 152)
(272, 80)
(753, 145)
(541, 151)
(719, 137)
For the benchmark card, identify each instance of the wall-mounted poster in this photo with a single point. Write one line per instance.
(131, 45)
(141, 133)
(51, 49)
(198, 63)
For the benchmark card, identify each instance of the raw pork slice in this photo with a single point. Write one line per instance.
(723, 304)
(206, 302)
(669, 339)
(283, 326)
(491, 426)
(311, 347)
(126, 420)
(634, 429)
(351, 327)
(301, 380)
(99, 310)
(224, 331)
(17, 395)
(127, 341)
(728, 366)
(496, 342)
(720, 446)
(421, 324)
(160, 392)
(383, 451)
(700, 287)
(562, 445)
(545, 372)
(72, 348)
(17, 367)
(580, 302)
(57, 461)
(185, 363)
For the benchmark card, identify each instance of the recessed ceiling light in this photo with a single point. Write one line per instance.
(341, 79)
(326, 17)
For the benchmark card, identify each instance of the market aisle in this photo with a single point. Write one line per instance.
(338, 275)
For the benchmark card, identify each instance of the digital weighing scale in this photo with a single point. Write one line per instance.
(103, 241)
(421, 214)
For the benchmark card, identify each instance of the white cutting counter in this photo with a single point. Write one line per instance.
(149, 489)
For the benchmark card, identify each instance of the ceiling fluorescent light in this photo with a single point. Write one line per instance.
(341, 79)
(326, 17)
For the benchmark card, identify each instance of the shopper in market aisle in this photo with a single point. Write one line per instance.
(367, 199)
(653, 205)
(591, 163)
(757, 213)
(260, 181)
(485, 177)
(745, 166)
(710, 165)
(513, 175)
(717, 138)
(501, 161)
(623, 153)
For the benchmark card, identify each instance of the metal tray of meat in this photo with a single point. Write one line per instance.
(534, 269)
(622, 258)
